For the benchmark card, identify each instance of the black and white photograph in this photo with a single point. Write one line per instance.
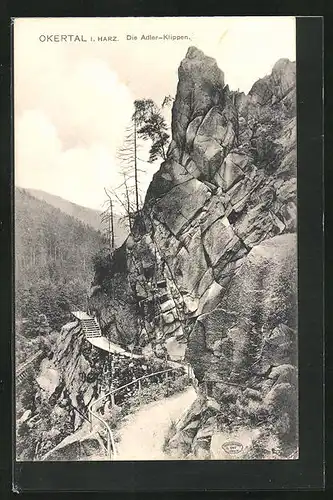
(155, 239)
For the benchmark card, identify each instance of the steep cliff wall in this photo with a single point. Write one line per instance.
(209, 270)
(53, 409)
(69, 378)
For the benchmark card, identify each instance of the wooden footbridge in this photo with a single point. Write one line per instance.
(94, 335)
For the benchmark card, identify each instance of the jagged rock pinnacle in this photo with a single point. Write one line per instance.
(200, 87)
(193, 52)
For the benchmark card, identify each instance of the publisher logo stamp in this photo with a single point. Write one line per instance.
(232, 447)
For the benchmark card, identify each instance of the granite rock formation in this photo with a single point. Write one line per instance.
(209, 270)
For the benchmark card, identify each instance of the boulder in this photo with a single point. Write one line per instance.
(191, 428)
(88, 448)
(214, 210)
(190, 265)
(201, 449)
(178, 207)
(176, 350)
(218, 239)
(168, 317)
(190, 304)
(25, 416)
(192, 414)
(288, 214)
(171, 174)
(230, 171)
(284, 374)
(210, 299)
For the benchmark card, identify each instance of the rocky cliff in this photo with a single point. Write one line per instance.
(209, 270)
(52, 403)
(68, 379)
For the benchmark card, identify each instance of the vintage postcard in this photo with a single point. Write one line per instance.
(155, 239)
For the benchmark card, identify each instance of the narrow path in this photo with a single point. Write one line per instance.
(143, 433)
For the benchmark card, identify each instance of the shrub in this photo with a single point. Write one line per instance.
(152, 392)
(101, 265)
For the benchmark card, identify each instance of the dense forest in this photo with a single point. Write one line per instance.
(53, 267)
(86, 215)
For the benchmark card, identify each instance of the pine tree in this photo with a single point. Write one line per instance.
(152, 125)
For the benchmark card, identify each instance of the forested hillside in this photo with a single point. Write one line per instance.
(83, 214)
(53, 264)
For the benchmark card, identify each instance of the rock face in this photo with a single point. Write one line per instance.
(65, 384)
(210, 266)
(73, 374)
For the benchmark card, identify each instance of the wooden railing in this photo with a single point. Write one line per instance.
(111, 447)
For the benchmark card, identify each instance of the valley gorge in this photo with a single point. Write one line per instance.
(207, 275)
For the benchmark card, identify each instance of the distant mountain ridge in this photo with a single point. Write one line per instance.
(86, 215)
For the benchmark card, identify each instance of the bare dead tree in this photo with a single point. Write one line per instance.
(108, 218)
(128, 203)
(122, 195)
(135, 166)
(128, 192)
(147, 122)
(127, 156)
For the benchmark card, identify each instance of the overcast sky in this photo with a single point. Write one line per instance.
(73, 100)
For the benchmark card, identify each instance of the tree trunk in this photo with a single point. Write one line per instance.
(136, 170)
(112, 224)
(128, 204)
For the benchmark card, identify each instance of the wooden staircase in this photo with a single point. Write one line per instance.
(89, 325)
(91, 328)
